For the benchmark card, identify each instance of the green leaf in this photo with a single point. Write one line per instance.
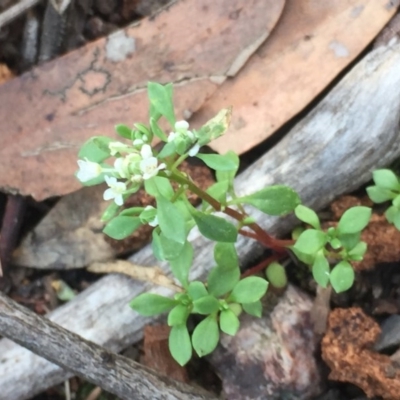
(276, 275)
(206, 336)
(222, 279)
(335, 243)
(249, 290)
(225, 255)
(396, 201)
(308, 216)
(159, 186)
(305, 258)
(110, 211)
(310, 241)
(160, 97)
(273, 200)
(205, 305)
(349, 240)
(321, 270)
(229, 175)
(219, 162)
(149, 304)
(123, 131)
(171, 220)
(178, 315)
(157, 130)
(168, 150)
(387, 179)
(63, 291)
(254, 309)
(180, 266)
(179, 344)
(95, 149)
(342, 277)
(358, 251)
(218, 190)
(354, 220)
(121, 227)
(229, 322)
(196, 290)
(156, 246)
(380, 195)
(215, 228)
(396, 220)
(391, 213)
(170, 248)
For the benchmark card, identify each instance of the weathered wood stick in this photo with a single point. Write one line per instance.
(117, 374)
(354, 130)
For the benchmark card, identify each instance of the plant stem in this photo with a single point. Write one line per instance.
(262, 265)
(260, 235)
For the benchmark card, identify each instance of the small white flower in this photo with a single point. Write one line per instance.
(181, 126)
(138, 142)
(149, 167)
(88, 170)
(119, 165)
(145, 151)
(194, 150)
(115, 191)
(172, 136)
(117, 147)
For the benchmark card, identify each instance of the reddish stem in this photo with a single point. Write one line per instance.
(262, 265)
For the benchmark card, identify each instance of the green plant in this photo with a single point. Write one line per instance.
(226, 293)
(386, 188)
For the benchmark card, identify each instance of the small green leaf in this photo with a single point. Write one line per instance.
(249, 290)
(205, 305)
(206, 336)
(159, 186)
(178, 315)
(321, 270)
(273, 200)
(219, 162)
(225, 255)
(254, 309)
(391, 213)
(348, 241)
(358, 251)
(121, 227)
(132, 211)
(342, 277)
(228, 176)
(180, 266)
(335, 243)
(63, 291)
(310, 241)
(396, 220)
(305, 258)
(215, 228)
(308, 216)
(156, 246)
(170, 248)
(276, 275)
(229, 322)
(218, 191)
(95, 149)
(110, 212)
(396, 202)
(149, 304)
(222, 279)
(179, 344)
(387, 179)
(157, 130)
(168, 150)
(380, 195)
(160, 97)
(196, 290)
(124, 131)
(354, 220)
(170, 220)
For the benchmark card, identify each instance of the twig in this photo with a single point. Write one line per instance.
(15, 11)
(114, 373)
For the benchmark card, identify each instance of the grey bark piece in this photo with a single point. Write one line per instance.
(273, 356)
(354, 130)
(390, 335)
(117, 374)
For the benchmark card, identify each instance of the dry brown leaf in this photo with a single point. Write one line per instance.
(50, 111)
(313, 41)
(153, 275)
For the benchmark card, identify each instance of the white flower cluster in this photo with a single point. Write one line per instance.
(183, 134)
(134, 167)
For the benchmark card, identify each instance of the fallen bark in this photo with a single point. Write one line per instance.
(333, 150)
(117, 374)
